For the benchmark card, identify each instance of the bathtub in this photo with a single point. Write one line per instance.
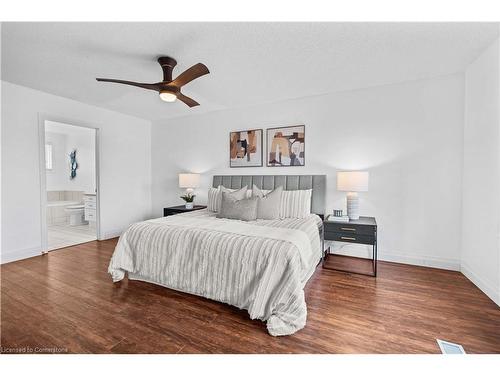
(56, 213)
(57, 201)
(61, 203)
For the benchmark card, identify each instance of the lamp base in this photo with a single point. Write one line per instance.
(353, 206)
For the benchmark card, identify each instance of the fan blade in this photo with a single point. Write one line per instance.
(188, 75)
(147, 86)
(186, 99)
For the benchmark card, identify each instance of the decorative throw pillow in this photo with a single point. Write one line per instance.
(268, 204)
(215, 195)
(237, 194)
(238, 209)
(295, 203)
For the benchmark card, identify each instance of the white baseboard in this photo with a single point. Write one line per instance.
(111, 234)
(13, 255)
(486, 287)
(362, 251)
(423, 260)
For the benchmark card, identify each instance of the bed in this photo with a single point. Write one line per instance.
(261, 266)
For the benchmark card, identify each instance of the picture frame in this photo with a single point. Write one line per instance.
(246, 148)
(286, 146)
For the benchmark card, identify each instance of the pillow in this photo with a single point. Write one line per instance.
(268, 204)
(212, 199)
(295, 203)
(237, 194)
(215, 195)
(239, 209)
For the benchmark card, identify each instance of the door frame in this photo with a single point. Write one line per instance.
(42, 118)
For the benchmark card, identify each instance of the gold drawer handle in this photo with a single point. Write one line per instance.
(348, 238)
(351, 229)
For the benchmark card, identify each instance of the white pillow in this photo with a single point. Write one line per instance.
(268, 205)
(212, 198)
(295, 203)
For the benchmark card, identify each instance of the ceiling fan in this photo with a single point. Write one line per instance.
(169, 89)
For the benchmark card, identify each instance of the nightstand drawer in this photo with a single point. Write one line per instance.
(171, 212)
(168, 211)
(346, 228)
(350, 237)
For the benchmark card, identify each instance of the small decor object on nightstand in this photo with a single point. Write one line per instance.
(188, 198)
(339, 219)
(352, 182)
(189, 181)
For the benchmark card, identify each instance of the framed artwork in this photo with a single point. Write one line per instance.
(286, 146)
(245, 148)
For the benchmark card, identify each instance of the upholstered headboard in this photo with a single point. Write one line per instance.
(316, 182)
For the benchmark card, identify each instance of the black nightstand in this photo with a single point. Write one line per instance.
(362, 231)
(167, 211)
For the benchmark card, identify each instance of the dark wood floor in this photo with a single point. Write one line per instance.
(66, 300)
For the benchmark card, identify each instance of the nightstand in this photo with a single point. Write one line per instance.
(167, 211)
(361, 231)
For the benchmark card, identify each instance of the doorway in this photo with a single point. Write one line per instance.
(69, 180)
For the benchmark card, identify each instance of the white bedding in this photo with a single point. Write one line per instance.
(260, 266)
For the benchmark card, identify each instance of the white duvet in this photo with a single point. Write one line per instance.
(260, 266)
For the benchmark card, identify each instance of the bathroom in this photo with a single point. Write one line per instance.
(70, 170)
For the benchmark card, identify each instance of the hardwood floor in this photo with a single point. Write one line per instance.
(67, 302)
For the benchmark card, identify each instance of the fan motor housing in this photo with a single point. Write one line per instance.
(167, 64)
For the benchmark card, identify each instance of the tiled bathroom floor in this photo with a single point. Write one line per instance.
(65, 235)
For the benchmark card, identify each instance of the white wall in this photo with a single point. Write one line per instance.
(125, 166)
(481, 177)
(56, 177)
(409, 136)
(1, 138)
(65, 138)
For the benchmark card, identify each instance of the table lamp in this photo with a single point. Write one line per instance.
(189, 181)
(352, 182)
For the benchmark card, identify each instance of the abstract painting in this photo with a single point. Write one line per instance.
(286, 146)
(245, 148)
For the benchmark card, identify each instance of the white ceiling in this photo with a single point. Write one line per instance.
(250, 63)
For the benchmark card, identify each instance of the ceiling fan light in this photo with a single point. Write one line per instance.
(167, 96)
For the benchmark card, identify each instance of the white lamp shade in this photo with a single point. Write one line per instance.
(189, 180)
(352, 181)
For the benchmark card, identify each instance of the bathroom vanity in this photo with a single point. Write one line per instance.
(90, 203)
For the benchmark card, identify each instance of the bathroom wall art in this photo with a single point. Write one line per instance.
(73, 164)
